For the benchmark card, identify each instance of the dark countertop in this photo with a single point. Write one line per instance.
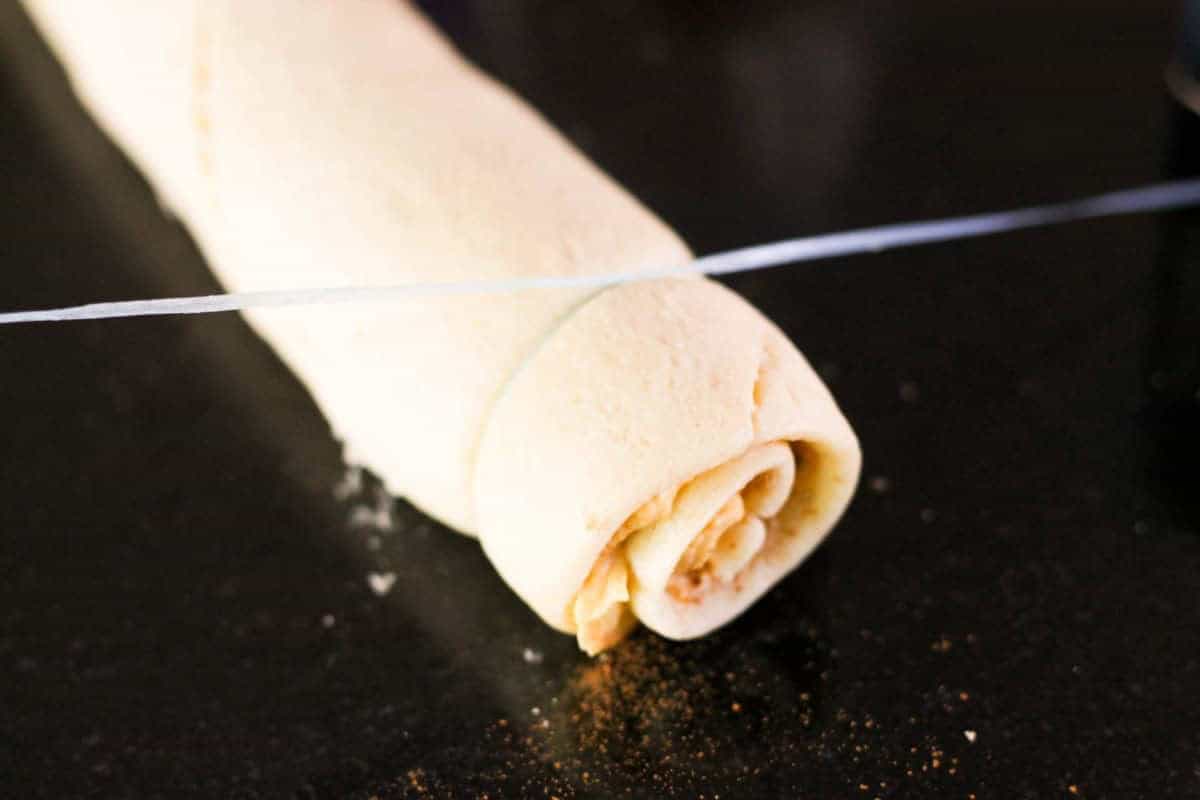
(1009, 609)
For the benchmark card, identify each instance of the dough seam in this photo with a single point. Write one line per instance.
(756, 390)
(498, 396)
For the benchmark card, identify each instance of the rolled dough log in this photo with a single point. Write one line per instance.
(655, 451)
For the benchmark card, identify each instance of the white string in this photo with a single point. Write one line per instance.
(1156, 197)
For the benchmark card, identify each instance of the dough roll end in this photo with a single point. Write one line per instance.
(666, 457)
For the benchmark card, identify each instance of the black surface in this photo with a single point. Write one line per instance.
(170, 543)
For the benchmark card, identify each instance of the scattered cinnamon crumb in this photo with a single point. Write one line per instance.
(685, 719)
(416, 779)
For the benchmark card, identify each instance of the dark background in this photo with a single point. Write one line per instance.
(184, 605)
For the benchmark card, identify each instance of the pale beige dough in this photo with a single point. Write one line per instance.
(576, 433)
